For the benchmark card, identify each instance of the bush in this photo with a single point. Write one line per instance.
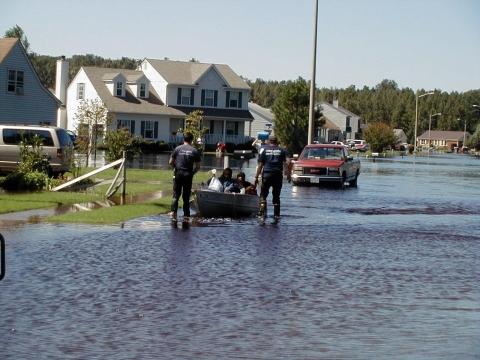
(33, 181)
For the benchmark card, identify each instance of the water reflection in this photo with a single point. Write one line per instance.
(388, 269)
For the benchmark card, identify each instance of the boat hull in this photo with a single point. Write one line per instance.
(213, 204)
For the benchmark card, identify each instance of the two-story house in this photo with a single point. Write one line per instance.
(23, 98)
(346, 124)
(154, 100)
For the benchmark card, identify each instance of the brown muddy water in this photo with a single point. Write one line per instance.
(386, 270)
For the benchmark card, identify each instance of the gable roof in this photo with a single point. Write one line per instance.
(339, 109)
(130, 103)
(189, 73)
(6, 45)
(329, 124)
(444, 135)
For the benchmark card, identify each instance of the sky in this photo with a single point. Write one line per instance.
(420, 44)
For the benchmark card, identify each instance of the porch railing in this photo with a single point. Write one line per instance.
(210, 139)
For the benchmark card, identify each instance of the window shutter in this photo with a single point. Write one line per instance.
(239, 100)
(227, 103)
(143, 129)
(215, 98)
(179, 96)
(118, 124)
(155, 130)
(192, 93)
(203, 98)
(132, 127)
(236, 127)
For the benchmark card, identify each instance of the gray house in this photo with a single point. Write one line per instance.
(23, 98)
(347, 124)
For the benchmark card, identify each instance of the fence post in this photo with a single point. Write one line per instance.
(124, 175)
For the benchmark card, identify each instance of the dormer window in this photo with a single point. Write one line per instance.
(119, 91)
(143, 90)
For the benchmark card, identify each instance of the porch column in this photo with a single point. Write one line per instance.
(224, 130)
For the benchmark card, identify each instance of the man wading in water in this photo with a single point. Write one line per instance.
(271, 159)
(185, 160)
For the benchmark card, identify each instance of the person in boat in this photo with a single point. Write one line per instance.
(271, 161)
(240, 185)
(185, 160)
(225, 179)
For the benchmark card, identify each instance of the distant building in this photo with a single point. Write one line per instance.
(442, 139)
(23, 98)
(346, 124)
(262, 120)
(400, 134)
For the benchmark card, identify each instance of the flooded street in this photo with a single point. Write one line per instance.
(387, 270)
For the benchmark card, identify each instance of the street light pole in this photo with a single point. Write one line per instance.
(429, 130)
(464, 131)
(311, 115)
(416, 117)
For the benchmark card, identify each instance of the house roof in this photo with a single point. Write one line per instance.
(189, 73)
(339, 108)
(130, 103)
(217, 113)
(444, 135)
(6, 45)
(329, 124)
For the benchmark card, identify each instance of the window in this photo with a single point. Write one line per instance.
(232, 128)
(149, 129)
(208, 97)
(143, 90)
(15, 81)
(80, 91)
(129, 124)
(185, 97)
(234, 99)
(119, 91)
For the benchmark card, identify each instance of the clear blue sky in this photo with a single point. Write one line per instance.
(420, 44)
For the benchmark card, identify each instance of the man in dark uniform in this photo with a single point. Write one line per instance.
(271, 160)
(185, 159)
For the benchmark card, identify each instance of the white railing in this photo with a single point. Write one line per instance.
(175, 140)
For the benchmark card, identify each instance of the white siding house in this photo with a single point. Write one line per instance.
(23, 99)
(154, 100)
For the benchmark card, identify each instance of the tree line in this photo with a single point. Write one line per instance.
(389, 104)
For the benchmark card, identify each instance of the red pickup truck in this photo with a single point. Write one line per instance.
(325, 163)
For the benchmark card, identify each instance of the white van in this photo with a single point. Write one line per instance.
(56, 144)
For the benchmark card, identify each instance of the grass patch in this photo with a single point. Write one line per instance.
(138, 182)
(115, 214)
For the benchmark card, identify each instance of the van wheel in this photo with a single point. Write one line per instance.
(50, 172)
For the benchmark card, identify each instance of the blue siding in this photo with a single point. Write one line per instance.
(36, 105)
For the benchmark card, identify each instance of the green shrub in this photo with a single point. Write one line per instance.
(18, 181)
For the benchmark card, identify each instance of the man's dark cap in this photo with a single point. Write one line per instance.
(272, 138)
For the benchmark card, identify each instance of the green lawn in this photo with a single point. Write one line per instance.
(138, 182)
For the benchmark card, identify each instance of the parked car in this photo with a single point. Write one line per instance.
(56, 143)
(338, 143)
(325, 163)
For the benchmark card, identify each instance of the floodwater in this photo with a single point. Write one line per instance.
(386, 270)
